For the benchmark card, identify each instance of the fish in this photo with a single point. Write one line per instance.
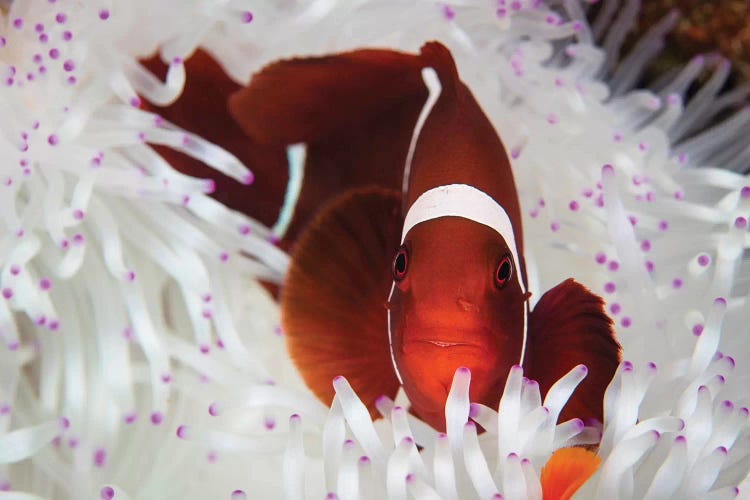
(407, 259)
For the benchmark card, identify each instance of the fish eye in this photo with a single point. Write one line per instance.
(504, 271)
(400, 263)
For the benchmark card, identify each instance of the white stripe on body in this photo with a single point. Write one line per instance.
(434, 88)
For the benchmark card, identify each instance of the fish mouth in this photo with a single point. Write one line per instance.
(442, 343)
(452, 336)
(445, 343)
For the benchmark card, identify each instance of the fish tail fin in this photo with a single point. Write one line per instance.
(333, 302)
(314, 98)
(201, 108)
(569, 327)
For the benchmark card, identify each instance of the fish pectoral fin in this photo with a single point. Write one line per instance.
(568, 327)
(332, 300)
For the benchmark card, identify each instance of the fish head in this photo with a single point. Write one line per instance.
(457, 301)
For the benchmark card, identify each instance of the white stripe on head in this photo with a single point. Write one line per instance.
(468, 202)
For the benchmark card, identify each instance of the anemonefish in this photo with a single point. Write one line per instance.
(407, 245)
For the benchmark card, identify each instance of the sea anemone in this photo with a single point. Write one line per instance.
(118, 272)
(143, 358)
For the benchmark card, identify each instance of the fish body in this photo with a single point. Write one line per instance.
(417, 269)
(462, 299)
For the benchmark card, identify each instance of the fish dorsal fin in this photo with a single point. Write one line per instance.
(569, 327)
(355, 111)
(312, 99)
(333, 302)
